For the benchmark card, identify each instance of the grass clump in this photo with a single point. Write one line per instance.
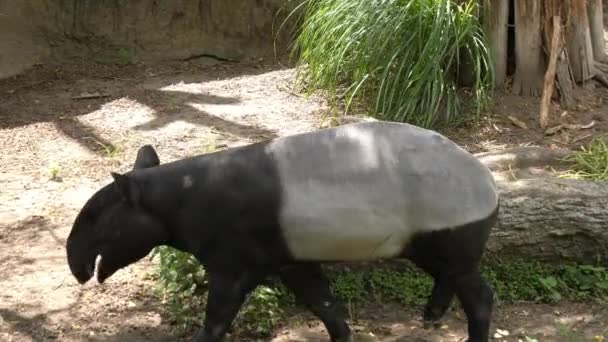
(590, 163)
(400, 59)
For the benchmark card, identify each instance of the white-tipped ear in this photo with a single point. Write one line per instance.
(146, 157)
(127, 187)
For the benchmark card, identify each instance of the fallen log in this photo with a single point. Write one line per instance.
(544, 217)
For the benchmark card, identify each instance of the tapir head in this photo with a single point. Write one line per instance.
(114, 225)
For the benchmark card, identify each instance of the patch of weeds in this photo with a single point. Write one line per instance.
(513, 280)
(584, 282)
(182, 286)
(122, 56)
(407, 287)
(172, 103)
(329, 119)
(210, 144)
(591, 162)
(566, 334)
(261, 312)
(518, 280)
(348, 286)
(112, 151)
(125, 56)
(54, 171)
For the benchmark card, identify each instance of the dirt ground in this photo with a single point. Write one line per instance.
(57, 150)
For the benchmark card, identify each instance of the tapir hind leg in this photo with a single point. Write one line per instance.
(477, 299)
(452, 257)
(438, 303)
(311, 288)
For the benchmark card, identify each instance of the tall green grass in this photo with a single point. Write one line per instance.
(590, 163)
(400, 59)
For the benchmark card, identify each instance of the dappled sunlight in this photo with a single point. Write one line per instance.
(118, 115)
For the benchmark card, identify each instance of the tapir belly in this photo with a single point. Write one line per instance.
(344, 220)
(343, 234)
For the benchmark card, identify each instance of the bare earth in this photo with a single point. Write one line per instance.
(182, 109)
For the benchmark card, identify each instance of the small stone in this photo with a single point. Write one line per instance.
(503, 332)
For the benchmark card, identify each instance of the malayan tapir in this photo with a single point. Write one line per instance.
(281, 207)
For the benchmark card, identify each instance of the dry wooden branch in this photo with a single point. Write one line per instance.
(550, 74)
(517, 122)
(85, 96)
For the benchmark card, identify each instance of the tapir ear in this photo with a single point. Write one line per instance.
(146, 157)
(128, 188)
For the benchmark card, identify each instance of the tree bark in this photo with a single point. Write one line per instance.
(545, 104)
(497, 32)
(580, 50)
(528, 80)
(565, 81)
(543, 217)
(595, 13)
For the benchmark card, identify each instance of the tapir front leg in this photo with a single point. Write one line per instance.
(226, 295)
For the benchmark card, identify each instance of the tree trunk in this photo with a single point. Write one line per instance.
(595, 13)
(543, 217)
(580, 50)
(497, 29)
(565, 82)
(529, 60)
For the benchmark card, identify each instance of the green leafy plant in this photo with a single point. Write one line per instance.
(183, 284)
(125, 56)
(401, 59)
(262, 310)
(590, 163)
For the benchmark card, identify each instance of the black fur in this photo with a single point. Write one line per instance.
(223, 208)
(451, 257)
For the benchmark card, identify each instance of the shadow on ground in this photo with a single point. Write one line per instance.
(45, 105)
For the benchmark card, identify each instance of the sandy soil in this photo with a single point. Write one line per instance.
(57, 150)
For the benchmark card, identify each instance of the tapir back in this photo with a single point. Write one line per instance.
(361, 191)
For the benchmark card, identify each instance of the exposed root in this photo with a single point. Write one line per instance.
(601, 78)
